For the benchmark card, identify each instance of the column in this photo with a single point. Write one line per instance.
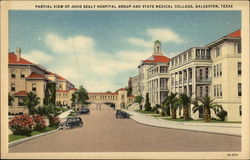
(187, 81)
(194, 81)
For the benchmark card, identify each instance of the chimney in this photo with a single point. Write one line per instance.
(18, 54)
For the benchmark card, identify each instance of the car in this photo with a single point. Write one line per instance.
(121, 114)
(71, 122)
(84, 111)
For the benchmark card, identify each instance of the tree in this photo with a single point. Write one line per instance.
(50, 94)
(172, 102)
(10, 100)
(139, 99)
(147, 103)
(73, 99)
(129, 91)
(206, 103)
(31, 101)
(82, 96)
(185, 101)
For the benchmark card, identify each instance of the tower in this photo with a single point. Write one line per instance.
(157, 48)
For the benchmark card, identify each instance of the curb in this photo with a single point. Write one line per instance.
(211, 132)
(11, 144)
(228, 134)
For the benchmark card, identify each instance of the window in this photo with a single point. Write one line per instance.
(214, 70)
(220, 69)
(202, 53)
(239, 68)
(240, 110)
(22, 75)
(20, 102)
(201, 91)
(217, 51)
(221, 90)
(34, 87)
(189, 55)
(217, 89)
(13, 87)
(198, 53)
(185, 56)
(13, 75)
(239, 89)
(214, 90)
(217, 71)
(206, 72)
(206, 90)
(239, 48)
(208, 54)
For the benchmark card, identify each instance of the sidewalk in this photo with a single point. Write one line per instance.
(223, 128)
(64, 114)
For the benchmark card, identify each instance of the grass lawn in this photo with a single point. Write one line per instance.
(145, 112)
(199, 120)
(13, 137)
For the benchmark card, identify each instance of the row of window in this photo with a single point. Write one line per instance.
(218, 90)
(13, 87)
(237, 48)
(13, 75)
(218, 70)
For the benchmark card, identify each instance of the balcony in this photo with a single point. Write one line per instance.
(176, 82)
(190, 80)
(184, 81)
(203, 79)
(180, 82)
(163, 88)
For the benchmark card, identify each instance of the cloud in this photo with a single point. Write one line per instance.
(38, 57)
(81, 63)
(140, 42)
(162, 34)
(70, 44)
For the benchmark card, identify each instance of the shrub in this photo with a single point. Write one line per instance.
(54, 121)
(222, 114)
(39, 123)
(21, 125)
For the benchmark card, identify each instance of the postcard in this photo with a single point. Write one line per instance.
(125, 79)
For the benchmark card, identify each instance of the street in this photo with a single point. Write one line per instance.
(102, 132)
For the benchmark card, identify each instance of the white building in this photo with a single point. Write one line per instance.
(152, 76)
(213, 70)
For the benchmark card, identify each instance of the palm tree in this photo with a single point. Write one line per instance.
(31, 101)
(10, 100)
(139, 99)
(185, 101)
(172, 102)
(206, 104)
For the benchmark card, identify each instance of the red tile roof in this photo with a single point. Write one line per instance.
(21, 93)
(122, 89)
(57, 76)
(102, 93)
(36, 76)
(157, 59)
(235, 34)
(13, 59)
(62, 91)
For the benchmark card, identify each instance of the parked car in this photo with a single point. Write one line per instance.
(121, 114)
(71, 122)
(84, 111)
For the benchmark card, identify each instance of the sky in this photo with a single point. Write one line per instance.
(101, 49)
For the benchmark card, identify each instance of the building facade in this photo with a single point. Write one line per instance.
(153, 77)
(213, 70)
(25, 77)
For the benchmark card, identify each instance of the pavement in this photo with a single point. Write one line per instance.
(103, 132)
(216, 128)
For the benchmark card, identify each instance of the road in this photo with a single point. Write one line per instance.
(102, 132)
